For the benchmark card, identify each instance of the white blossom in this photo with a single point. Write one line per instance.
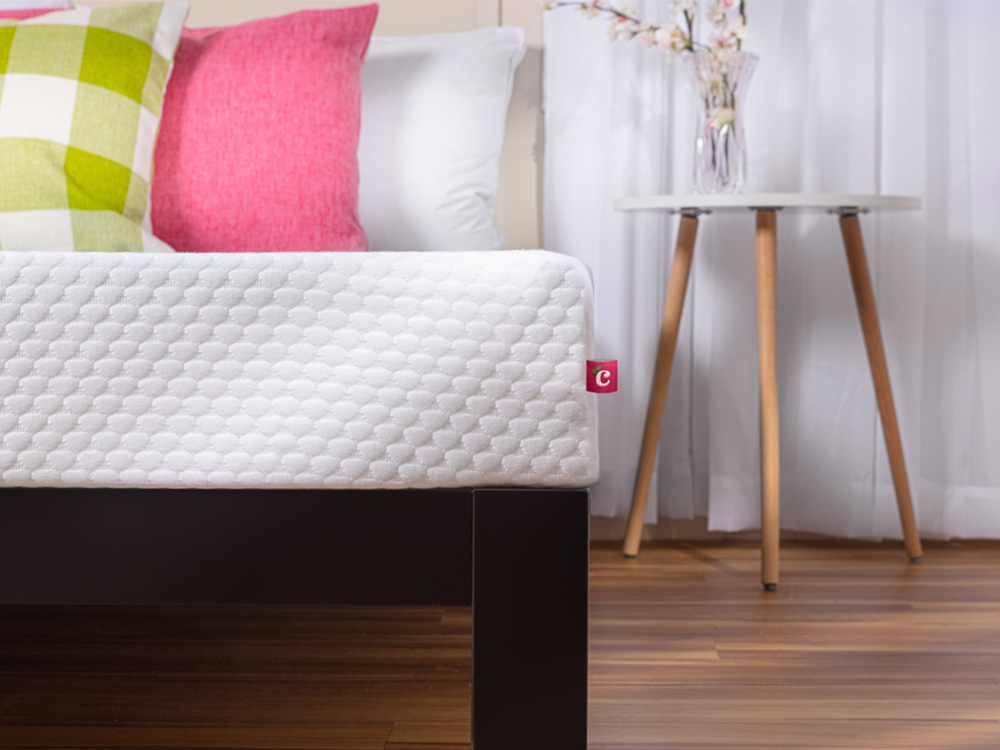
(592, 8)
(671, 39)
(737, 28)
(724, 56)
(622, 28)
(647, 34)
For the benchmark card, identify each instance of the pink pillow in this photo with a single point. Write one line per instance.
(259, 137)
(22, 13)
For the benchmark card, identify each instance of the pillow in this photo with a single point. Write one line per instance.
(80, 98)
(22, 13)
(433, 111)
(258, 150)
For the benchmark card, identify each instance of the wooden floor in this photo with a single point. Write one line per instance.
(856, 649)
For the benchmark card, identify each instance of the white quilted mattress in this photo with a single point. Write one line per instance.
(326, 370)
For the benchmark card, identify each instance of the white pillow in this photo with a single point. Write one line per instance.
(433, 111)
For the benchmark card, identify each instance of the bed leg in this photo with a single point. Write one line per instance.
(529, 610)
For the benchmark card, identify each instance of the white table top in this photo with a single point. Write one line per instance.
(712, 201)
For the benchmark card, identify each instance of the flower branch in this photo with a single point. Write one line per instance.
(727, 17)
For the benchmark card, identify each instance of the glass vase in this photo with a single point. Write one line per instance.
(721, 79)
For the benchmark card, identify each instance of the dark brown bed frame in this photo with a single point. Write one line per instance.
(519, 557)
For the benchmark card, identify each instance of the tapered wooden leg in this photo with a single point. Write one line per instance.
(676, 289)
(865, 297)
(767, 255)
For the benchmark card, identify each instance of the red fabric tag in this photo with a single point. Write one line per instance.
(602, 377)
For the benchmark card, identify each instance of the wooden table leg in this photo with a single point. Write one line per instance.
(767, 254)
(865, 297)
(676, 289)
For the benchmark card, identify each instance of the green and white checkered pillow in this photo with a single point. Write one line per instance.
(80, 98)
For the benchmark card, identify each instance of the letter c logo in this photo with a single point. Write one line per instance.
(602, 377)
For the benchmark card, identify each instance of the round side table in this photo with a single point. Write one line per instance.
(766, 206)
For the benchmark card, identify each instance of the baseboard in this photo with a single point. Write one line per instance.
(671, 529)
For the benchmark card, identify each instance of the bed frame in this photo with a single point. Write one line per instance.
(526, 583)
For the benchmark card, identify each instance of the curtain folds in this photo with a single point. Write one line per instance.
(889, 97)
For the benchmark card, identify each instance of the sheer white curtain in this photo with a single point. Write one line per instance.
(893, 97)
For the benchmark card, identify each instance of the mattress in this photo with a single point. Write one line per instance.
(324, 370)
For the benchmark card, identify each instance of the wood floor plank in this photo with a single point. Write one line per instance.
(404, 660)
(796, 735)
(272, 737)
(429, 732)
(148, 699)
(826, 668)
(668, 708)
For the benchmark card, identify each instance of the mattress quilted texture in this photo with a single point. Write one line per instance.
(326, 370)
